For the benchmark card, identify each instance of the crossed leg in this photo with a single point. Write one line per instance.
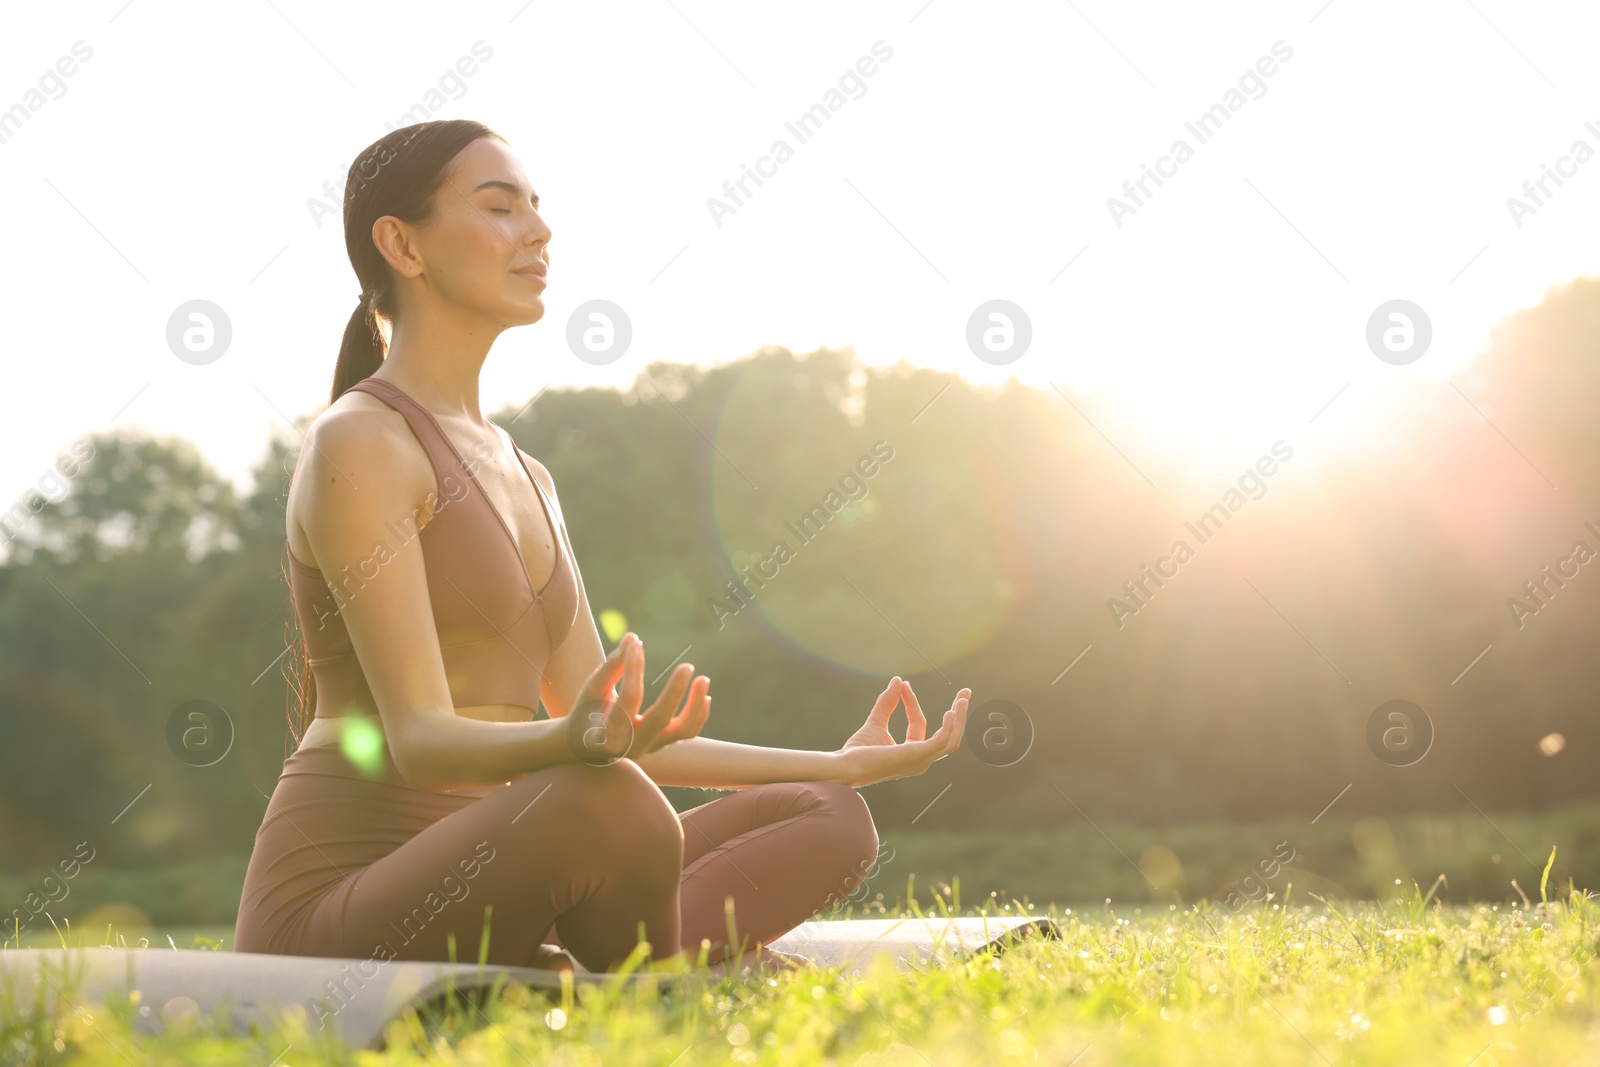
(765, 859)
(595, 852)
(589, 858)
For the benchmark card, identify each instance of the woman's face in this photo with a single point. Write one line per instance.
(485, 247)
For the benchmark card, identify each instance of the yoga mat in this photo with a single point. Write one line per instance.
(356, 998)
(852, 946)
(353, 998)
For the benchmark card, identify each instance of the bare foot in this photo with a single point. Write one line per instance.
(553, 958)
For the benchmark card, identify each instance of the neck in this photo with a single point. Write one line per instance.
(437, 364)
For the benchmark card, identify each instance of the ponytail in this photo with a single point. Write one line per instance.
(361, 352)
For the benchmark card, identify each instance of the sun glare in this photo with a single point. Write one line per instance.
(1196, 414)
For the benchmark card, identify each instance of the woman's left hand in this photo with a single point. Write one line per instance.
(873, 755)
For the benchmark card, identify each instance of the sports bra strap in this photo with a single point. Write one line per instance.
(441, 453)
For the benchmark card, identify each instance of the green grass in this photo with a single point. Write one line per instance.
(1408, 980)
(139, 935)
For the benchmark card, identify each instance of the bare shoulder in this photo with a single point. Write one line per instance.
(359, 458)
(353, 415)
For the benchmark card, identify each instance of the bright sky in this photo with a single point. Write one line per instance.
(975, 163)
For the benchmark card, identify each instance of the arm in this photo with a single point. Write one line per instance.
(870, 755)
(711, 764)
(361, 469)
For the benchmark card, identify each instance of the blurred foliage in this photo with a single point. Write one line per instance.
(981, 555)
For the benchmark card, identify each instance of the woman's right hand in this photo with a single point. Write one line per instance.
(603, 726)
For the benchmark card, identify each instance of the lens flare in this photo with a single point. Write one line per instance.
(362, 743)
(875, 542)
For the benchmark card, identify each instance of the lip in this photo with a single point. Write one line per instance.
(538, 272)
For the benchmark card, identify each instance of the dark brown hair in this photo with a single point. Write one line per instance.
(398, 174)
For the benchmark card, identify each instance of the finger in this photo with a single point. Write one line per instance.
(884, 707)
(952, 725)
(696, 709)
(661, 713)
(601, 682)
(633, 678)
(916, 722)
(964, 701)
(698, 690)
(702, 712)
(670, 699)
(960, 701)
(956, 717)
(672, 709)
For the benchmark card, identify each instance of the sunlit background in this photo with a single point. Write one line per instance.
(188, 157)
(1183, 339)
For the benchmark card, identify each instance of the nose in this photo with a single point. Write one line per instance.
(536, 239)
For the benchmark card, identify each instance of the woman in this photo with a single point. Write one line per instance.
(440, 603)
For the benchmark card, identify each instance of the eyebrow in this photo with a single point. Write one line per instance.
(495, 183)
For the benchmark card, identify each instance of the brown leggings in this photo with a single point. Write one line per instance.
(354, 865)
